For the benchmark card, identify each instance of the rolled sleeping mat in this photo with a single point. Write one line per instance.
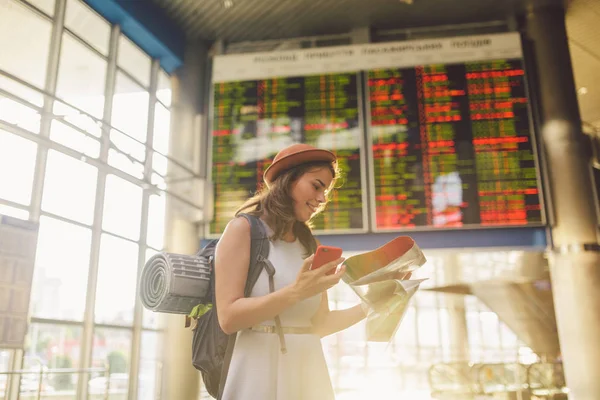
(174, 283)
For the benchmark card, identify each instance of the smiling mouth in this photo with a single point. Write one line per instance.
(313, 208)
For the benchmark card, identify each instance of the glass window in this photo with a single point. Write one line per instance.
(127, 146)
(490, 329)
(130, 155)
(428, 328)
(472, 303)
(4, 361)
(69, 188)
(61, 270)
(162, 125)
(78, 119)
(88, 25)
(24, 92)
(159, 181)
(24, 58)
(46, 6)
(426, 299)
(126, 163)
(51, 347)
(156, 222)
(130, 108)
(378, 355)
(16, 113)
(111, 348)
(122, 208)
(25, 42)
(160, 165)
(150, 365)
(81, 76)
(474, 330)
(71, 137)
(509, 339)
(17, 167)
(117, 277)
(445, 326)
(133, 60)
(14, 212)
(163, 91)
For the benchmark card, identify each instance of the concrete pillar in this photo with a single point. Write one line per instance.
(180, 378)
(459, 334)
(575, 259)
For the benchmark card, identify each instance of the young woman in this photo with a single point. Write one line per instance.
(297, 185)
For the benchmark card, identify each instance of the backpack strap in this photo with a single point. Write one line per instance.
(260, 253)
(271, 271)
(259, 250)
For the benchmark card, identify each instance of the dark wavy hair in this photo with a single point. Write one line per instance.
(276, 205)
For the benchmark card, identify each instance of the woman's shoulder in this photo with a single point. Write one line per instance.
(238, 227)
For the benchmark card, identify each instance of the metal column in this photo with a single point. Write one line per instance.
(181, 380)
(136, 343)
(575, 260)
(58, 27)
(87, 341)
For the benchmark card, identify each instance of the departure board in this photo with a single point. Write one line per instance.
(254, 119)
(451, 146)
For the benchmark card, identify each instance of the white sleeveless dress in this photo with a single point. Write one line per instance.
(258, 369)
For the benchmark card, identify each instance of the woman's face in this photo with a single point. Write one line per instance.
(309, 192)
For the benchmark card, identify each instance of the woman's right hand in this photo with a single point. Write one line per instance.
(312, 282)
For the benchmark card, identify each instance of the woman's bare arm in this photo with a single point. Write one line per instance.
(327, 322)
(232, 260)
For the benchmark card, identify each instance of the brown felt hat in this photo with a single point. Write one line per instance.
(294, 155)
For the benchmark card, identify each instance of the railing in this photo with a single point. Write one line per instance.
(42, 374)
(544, 380)
(453, 378)
(547, 379)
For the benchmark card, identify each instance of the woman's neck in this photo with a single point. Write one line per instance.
(289, 237)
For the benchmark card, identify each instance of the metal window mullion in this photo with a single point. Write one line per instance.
(13, 204)
(54, 322)
(90, 301)
(134, 366)
(133, 79)
(35, 9)
(65, 219)
(42, 153)
(85, 43)
(46, 117)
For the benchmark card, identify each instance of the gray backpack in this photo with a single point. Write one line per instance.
(211, 347)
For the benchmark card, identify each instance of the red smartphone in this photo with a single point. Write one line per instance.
(325, 254)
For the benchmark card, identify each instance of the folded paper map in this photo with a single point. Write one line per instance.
(374, 277)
